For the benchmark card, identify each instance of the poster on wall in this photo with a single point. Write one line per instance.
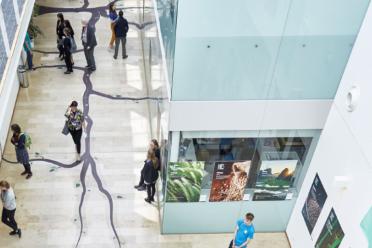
(270, 195)
(332, 233)
(229, 181)
(184, 181)
(366, 225)
(314, 203)
(276, 174)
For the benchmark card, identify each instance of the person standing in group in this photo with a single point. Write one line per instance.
(28, 49)
(60, 34)
(9, 208)
(75, 123)
(121, 30)
(244, 232)
(89, 41)
(150, 175)
(19, 141)
(154, 145)
(67, 50)
(113, 16)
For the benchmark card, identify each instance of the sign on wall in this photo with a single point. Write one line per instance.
(314, 203)
(332, 233)
(229, 181)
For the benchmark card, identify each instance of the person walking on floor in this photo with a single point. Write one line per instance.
(244, 232)
(72, 39)
(89, 41)
(121, 30)
(154, 145)
(75, 123)
(113, 17)
(150, 175)
(60, 34)
(19, 141)
(9, 208)
(27, 48)
(67, 50)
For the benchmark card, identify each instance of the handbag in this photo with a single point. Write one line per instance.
(65, 130)
(73, 44)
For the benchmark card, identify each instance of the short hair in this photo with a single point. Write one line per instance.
(74, 104)
(15, 128)
(249, 216)
(121, 13)
(4, 184)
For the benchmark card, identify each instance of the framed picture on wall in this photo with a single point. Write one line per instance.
(314, 203)
(229, 181)
(332, 233)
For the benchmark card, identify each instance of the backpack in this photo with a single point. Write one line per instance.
(28, 141)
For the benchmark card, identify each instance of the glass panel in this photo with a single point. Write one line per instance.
(247, 170)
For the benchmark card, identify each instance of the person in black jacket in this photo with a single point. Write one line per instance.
(150, 175)
(121, 29)
(154, 145)
(19, 142)
(89, 41)
(67, 44)
(60, 34)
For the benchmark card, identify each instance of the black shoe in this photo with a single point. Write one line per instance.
(152, 199)
(13, 233)
(87, 66)
(29, 176)
(141, 188)
(115, 57)
(147, 200)
(126, 56)
(137, 186)
(62, 58)
(19, 233)
(67, 72)
(92, 69)
(23, 173)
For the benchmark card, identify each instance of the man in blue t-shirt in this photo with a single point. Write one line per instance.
(244, 232)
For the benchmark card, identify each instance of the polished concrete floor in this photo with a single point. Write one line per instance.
(48, 204)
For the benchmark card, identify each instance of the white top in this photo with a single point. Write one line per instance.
(8, 199)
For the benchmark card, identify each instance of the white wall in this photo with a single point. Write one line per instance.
(344, 149)
(10, 84)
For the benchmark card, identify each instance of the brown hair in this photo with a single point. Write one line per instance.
(155, 142)
(249, 216)
(151, 156)
(15, 128)
(4, 184)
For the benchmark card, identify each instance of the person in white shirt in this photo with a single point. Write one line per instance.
(9, 208)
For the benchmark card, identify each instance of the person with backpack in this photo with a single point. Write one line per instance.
(67, 50)
(150, 175)
(121, 29)
(244, 232)
(9, 208)
(21, 142)
(59, 31)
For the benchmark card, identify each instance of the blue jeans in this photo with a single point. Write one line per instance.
(29, 60)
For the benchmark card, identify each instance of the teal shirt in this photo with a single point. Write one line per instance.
(27, 43)
(244, 232)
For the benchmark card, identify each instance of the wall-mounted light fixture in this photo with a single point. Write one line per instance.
(352, 98)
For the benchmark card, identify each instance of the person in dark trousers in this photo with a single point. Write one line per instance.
(121, 29)
(67, 51)
(60, 34)
(154, 145)
(150, 175)
(9, 208)
(244, 232)
(19, 141)
(28, 50)
(72, 39)
(75, 123)
(89, 41)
